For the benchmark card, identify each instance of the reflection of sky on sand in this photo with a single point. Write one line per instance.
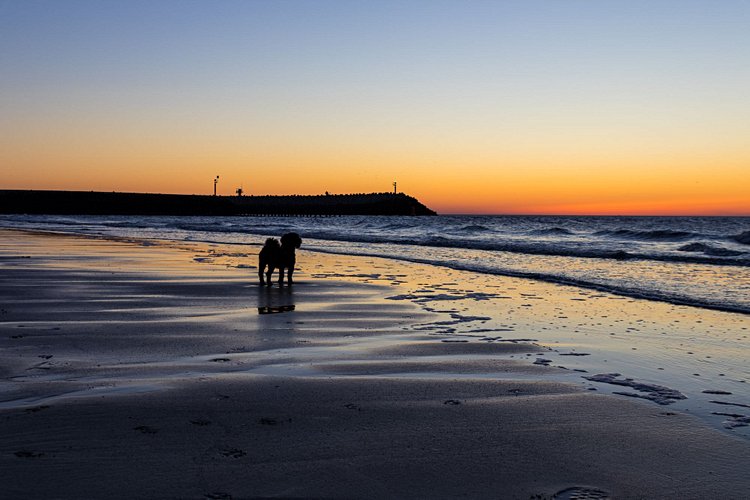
(580, 333)
(700, 353)
(200, 320)
(724, 287)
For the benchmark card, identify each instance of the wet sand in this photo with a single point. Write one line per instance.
(163, 370)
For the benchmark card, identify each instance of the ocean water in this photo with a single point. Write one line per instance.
(690, 358)
(697, 261)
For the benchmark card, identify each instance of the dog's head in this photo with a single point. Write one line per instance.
(272, 243)
(291, 240)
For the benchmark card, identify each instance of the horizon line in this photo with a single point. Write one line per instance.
(457, 213)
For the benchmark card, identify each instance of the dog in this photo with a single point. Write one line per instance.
(267, 259)
(275, 255)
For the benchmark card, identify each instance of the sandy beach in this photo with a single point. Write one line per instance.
(163, 370)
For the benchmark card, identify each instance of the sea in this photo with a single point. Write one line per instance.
(696, 261)
(691, 357)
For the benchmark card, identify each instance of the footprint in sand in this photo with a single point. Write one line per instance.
(580, 493)
(218, 495)
(36, 409)
(233, 453)
(145, 429)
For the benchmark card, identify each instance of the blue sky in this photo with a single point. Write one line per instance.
(412, 86)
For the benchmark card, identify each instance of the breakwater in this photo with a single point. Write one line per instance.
(105, 203)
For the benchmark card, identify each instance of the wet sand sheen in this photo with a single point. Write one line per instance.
(137, 371)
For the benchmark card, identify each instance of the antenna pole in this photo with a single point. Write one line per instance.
(216, 181)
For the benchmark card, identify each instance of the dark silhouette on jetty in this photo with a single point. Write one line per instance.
(104, 203)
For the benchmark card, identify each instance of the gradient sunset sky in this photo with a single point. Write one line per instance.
(557, 106)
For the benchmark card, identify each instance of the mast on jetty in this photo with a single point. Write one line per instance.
(216, 181)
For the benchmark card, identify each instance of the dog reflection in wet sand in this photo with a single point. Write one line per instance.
(275, 255)
(275, 309)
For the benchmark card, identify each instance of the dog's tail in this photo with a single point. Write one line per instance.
(272, 242)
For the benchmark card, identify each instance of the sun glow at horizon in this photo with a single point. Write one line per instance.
(501, 108)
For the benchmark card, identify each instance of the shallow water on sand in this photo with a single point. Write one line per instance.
(700, 354)
(684, 358)
(687, 359)
(700, 261)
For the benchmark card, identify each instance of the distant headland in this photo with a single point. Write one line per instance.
(106, 203)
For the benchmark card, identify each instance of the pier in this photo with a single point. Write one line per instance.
(106, 203)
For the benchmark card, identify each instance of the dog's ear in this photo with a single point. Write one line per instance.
(294, 239)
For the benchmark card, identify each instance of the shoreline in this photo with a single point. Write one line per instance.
(384, 380)
(630, 267)
(587, 334)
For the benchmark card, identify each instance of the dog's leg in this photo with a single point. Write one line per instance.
(261, 268)
(268, 275)
(289, 273)
(281, 275)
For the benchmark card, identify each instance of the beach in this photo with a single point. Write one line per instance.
(155, 369)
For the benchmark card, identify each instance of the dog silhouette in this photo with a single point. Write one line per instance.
(275, 255)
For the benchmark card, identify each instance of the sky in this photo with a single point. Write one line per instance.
(525, 106)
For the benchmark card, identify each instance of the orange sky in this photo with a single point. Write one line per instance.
(502, 108)
(451, 176)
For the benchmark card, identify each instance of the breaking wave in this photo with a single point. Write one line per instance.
(660, 258)
(656, 235)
